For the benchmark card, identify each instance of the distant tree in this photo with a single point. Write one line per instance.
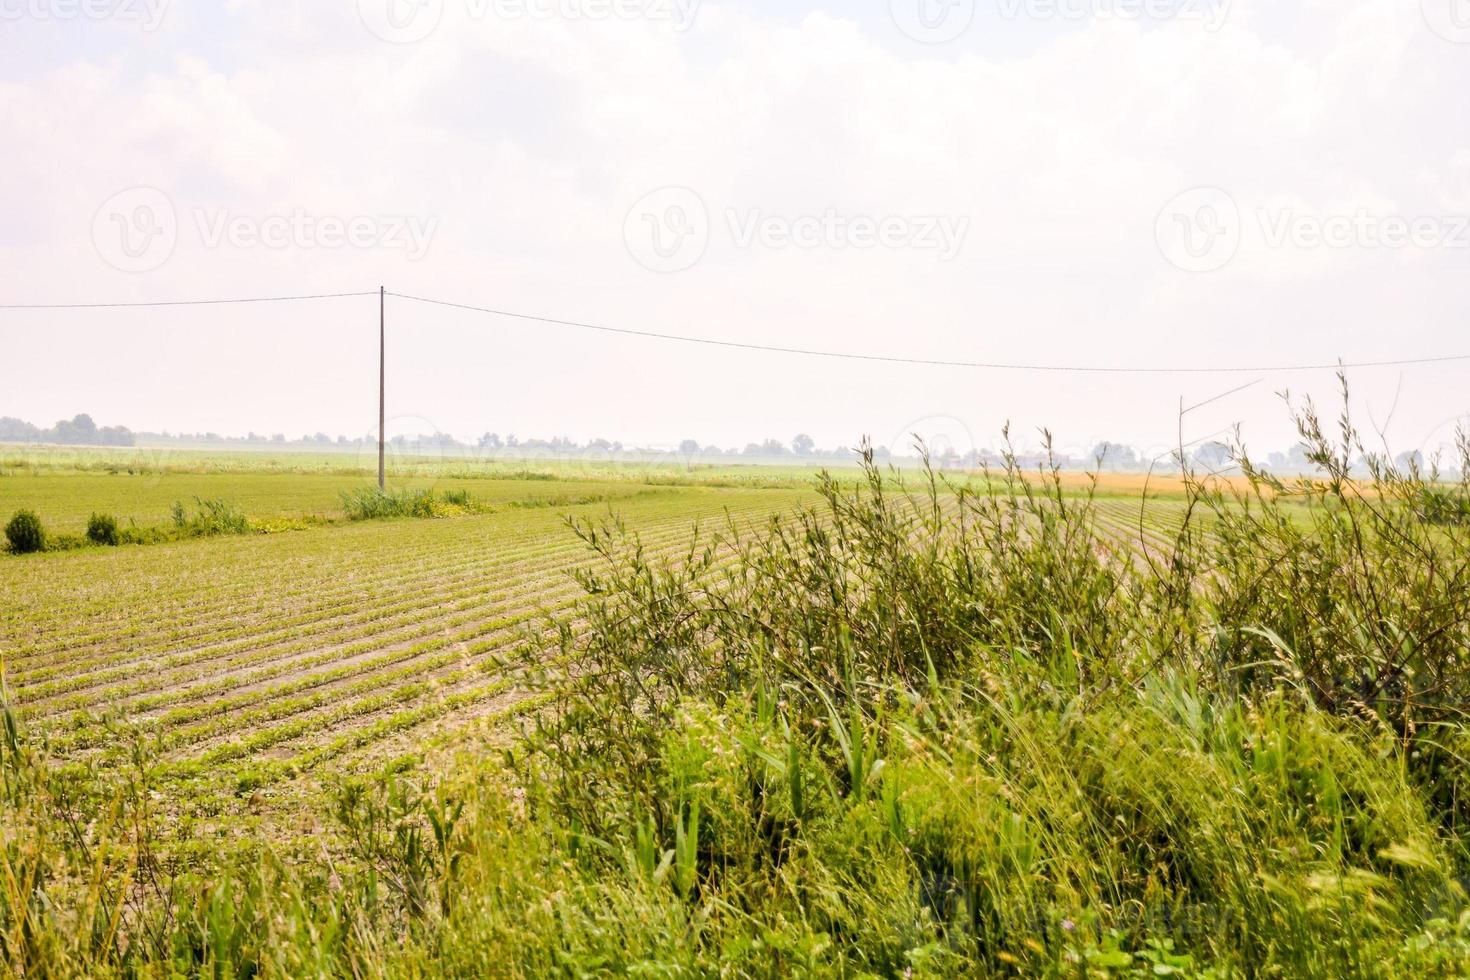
(116, 435)
(689, 447)
(278, 437)
(803, 445)
(1409, 462)
(17, 430)
(79, 431)
(81, 427)
(1298, 459)
(774, 447)
(1213, 455)
(1114, 456)
(752, 449)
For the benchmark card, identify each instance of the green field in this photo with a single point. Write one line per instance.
(264, 657)
(67, 500)
(674, 722)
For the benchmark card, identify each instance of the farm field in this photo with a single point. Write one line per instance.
(262, 659)
(259, 659)
(66, 500)
(324, 694)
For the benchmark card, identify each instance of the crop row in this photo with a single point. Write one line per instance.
(71, 614)
(310, 646)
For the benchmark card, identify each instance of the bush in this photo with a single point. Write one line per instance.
(25, 533)
(102, 529)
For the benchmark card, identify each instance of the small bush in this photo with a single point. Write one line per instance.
(102, 529)
(25, 533)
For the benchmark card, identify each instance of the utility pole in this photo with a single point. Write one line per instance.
(382, 378)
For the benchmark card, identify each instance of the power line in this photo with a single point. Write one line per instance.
(931, 362)
(177, 302)
(770, 348)
(1220, 397)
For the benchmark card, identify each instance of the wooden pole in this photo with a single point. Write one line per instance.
(382, 380)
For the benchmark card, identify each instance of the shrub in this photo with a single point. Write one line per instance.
(102, 529)
(25, 533)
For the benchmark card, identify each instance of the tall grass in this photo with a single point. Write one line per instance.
(372, 504)
(210, 517)
(911, 731)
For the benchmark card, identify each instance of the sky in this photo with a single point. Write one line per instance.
(1147, 184)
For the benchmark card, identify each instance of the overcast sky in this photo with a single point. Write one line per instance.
(1098, 183)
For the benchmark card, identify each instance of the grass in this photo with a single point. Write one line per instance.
(998, 727)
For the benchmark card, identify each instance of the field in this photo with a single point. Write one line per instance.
(262, 658)
(735, 721)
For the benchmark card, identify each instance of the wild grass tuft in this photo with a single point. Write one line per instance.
(210, 517)
(371, 504)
